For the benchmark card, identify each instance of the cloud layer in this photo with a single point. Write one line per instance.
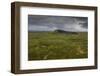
(51, 23)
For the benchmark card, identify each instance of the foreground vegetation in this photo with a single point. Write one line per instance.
(54, 45)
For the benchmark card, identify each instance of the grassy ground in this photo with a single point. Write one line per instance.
(54, 45)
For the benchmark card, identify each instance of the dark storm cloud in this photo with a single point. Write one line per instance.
(51, 23)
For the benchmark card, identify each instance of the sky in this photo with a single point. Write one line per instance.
(52, 23)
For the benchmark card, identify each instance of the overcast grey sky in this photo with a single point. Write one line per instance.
(51, 23)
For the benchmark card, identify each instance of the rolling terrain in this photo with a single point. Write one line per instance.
(57, 45)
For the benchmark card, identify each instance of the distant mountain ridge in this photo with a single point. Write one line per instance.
(67, 32)
(59, 31)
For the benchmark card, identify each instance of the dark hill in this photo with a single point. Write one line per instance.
(67, 32)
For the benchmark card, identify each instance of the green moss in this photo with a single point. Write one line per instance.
(53, 45)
